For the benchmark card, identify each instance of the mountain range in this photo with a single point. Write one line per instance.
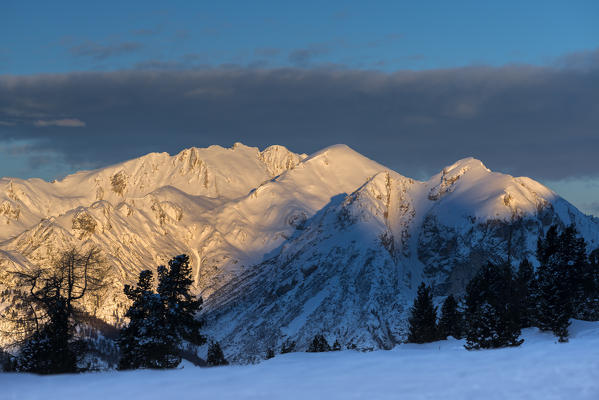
(285, 245)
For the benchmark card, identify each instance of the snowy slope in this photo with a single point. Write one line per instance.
(285, 245)
(351, 271)
(539, 369)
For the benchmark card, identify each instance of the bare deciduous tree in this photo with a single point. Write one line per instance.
(49, 301)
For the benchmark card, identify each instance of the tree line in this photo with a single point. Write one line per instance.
(47, 311)
(500, 301)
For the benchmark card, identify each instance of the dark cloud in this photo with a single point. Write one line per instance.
(100, 51)
(580, 60)
(303, 57)
(536, 121)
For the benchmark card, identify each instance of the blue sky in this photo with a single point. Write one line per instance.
(50, 37)
(510, 82)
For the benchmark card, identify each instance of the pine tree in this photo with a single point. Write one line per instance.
(336, 346)
(564, 279)
(160, 323)
(7, 362)
(554, 306)
(527, 292)
(288, 346)
(423, 318)
(574, 258)
(451, 321)
(492, 309)
(146, 342)
(319, 344)
(215, 356)
(592, 279)
(174, 288)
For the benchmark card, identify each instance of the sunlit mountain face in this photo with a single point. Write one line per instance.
(286, 245)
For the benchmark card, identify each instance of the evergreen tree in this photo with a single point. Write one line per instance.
(319, 344)
(565, 280)
(451, 321)
(574, 258)
(423, 318)
(554, 306)
(7, 362)
(492, 317)
(592, 279)
(215, 356)
(146, 342)
(288, 346)
(160, 323)
(174, 288)
(527, 293)
(336, 346)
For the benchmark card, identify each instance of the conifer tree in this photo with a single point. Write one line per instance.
(423, 317)
(562, 278)
(492, 317)
(451, 321)
(336, 346)
(160, 323)
(527, 293)
(592, 279)
(554, 306)
(146, 342)
(174, 288)
(319, 344)
(215, 356)
(288, 346)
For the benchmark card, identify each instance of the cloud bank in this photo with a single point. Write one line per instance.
(537, 121)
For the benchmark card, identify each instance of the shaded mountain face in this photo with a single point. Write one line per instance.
(285, 246)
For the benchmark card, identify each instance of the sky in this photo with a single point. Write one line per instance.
(413, 85)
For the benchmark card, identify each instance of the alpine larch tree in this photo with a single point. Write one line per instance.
(49, 306)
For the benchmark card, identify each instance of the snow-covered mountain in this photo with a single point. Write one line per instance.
(286, 245)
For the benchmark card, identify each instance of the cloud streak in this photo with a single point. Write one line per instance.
(65, 123)
(535, 121)
(100, 51)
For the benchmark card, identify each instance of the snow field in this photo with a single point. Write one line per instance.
(539, 369)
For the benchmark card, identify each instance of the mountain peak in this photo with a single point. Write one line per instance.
(468, 163)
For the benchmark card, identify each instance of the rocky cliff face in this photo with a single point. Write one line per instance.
(283, 245)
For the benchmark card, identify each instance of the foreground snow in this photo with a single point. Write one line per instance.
(539, 369)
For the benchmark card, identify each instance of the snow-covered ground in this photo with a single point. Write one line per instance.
(540, 369)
